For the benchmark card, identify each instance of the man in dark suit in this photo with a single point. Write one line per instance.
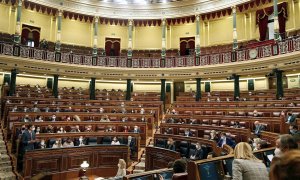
(198, 153)
(28, 138)
(291, 118)
(258, 128)
(132, 146)
(226, 140)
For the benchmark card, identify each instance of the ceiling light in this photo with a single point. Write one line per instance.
(164, 1)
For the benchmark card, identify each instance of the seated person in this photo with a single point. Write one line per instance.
(124, 119)
(57, 109)
(81, 141)
(88, 128)
(142, 111)
(226, 140)
(125, 129)
(255, 113)
(170, 120)
(76, 129)
(170, 144)
(294, 130)
(38, 130)
(67, 118)
(258, 128)
(52, 118)
(47, 109)
(57, 143)
(104, 119)
(214, 136)
(109, 129)
(198, 153)
(136, 129)
(49, 129)
(38, 119)
(61, 130)
(101, 110)
(169, 131)
(35, 109)
(26, 109)
(291, 118)
(173, 111)
(236, 124)
(68, 143)
(115, 141)
(187, 132)
(15, 109)
(26, 118)
(42, 144)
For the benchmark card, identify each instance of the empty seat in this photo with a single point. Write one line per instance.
(241, 113)
(215, 122)
(184, 148)
(205, 122)
(224, 123)
(231, 113)
(160, 143)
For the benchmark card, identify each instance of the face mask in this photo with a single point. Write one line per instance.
(61, 129)
(254, 144)
(56, 142)
(42, 143)
(33, 129)
(277, 152)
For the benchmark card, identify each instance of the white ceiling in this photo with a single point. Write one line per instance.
(140, 9)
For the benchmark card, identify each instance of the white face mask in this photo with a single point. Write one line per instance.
(254, 144)
(56, 142)
(277, 152)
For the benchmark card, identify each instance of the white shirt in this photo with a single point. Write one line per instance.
(115, 143)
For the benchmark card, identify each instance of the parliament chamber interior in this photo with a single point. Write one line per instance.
(150, 89)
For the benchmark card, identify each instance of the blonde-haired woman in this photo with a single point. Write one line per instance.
(246, 166)
(121, 168)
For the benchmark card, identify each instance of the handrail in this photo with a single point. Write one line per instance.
(260, 50)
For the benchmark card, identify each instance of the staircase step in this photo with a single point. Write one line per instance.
(138, 171)
(140, 166)
(143, 159)
(4, 157)
(6, 169)
(144, 155)
(7, 176)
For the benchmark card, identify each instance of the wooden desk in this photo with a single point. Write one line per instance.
(103, 160)
(158, 158)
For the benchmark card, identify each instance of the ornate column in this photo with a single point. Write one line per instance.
(163, 43)
(276, 23)
(279, 83)
(12, 85)
(92, 89)
(198, 89)
(17, 36)
(197, 39)
(58, 37)
(235, 43)
(163, 92)
(128, 90)
(95, 42)
(129, 51)
(236, 79)
(55, 85)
